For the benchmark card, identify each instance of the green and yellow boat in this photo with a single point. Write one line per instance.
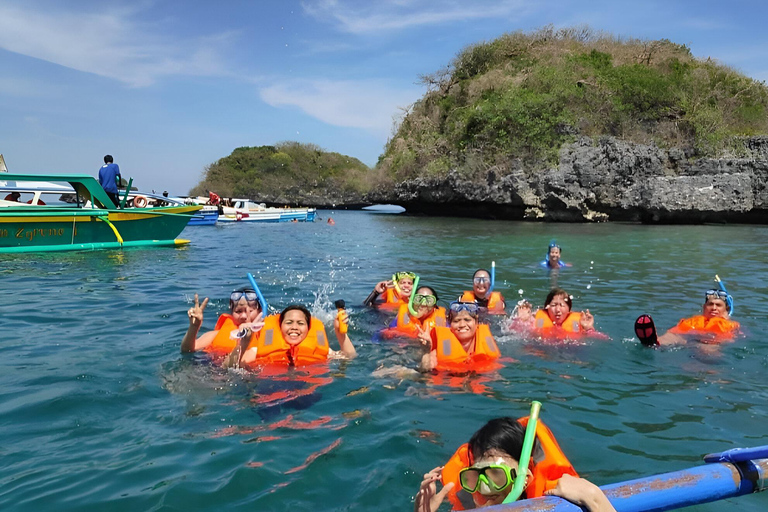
(93, 221)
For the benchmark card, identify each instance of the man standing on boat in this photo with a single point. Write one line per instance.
(109, 174)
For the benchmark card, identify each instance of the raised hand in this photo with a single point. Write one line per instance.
(195, 313)
(587, 321)
(428, 499)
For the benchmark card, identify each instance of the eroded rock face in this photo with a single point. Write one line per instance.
(601, 180)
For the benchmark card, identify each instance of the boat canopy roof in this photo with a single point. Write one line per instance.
(85, 185)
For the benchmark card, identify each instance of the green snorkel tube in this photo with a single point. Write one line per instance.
(525, 456)
(729, 300)
(413, 292)
(262, 300)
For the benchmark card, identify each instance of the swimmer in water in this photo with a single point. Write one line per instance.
(396, 291)
(428, 315)
(489, 464)
(244, 307)
(292, 338)
(713, 325)
(553, 257)
(557, 318)
(481, 284)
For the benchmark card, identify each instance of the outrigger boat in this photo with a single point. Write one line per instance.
(92, 222)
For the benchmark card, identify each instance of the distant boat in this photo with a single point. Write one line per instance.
(92, 221)
(243, 210)
(384, 208)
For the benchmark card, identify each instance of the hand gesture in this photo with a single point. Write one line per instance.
(587, 321)
(424, 336)
(523, 312)
(195, 313)
(427, 500)
(382, 286)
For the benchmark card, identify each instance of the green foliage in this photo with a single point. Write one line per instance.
(289, 171)
(523, 95)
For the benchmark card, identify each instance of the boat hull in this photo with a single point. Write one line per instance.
(62, 229)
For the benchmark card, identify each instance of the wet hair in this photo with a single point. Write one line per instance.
(431, 291)
(296, 307)
(243, 289)
(450, 314)
(502, 434)
(555, 292)
(480, 270)
(108, 159)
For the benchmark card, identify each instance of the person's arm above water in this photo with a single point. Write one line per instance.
(428, 499)
(587, 321)
(581, 492)
(345, 344)
(190, 342)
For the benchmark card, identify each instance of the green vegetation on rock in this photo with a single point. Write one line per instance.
(513, 102)
(289, 172)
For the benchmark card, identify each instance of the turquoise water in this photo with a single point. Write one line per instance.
(100, 411)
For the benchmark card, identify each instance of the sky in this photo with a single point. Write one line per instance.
(170, 86)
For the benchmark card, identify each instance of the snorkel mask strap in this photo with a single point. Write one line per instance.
(525, 456)
(413, 293)
(729, 299)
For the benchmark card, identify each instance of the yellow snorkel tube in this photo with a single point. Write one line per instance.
(525, 455)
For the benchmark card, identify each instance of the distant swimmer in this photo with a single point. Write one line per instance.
(465, 345)
(553, 257)
(393, 293)
(331, 222)
(481, 285)
(557, 320)
(293, 338)
(244, 307)
(428, 315)
(713, 325)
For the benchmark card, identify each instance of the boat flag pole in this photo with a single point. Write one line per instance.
(262, 300)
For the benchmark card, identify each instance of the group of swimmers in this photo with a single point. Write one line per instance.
(456, 339)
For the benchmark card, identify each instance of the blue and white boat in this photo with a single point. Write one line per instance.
(244, 210)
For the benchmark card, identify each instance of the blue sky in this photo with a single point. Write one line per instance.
(169, 86)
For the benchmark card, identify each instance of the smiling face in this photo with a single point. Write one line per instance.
(294, 327)
(558, 309)
(464, 326)
(423, 310)
(715, 307)
(480, 283)
(554, 255)
(406, 285)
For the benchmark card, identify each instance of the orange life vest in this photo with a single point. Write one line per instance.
(544, 325)
(271, 347)
(721, 327)
(451, 355)
(495, 301)
(407, 325)
(391, 300)
(548, 465)
(223, 344)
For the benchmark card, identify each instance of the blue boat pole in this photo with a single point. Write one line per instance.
(727, 475)
(262, 300)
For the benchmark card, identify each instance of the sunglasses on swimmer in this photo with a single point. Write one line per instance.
(496, 476)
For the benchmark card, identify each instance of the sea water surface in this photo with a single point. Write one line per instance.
(100, 411)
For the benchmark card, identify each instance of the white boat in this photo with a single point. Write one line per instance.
(243, 210)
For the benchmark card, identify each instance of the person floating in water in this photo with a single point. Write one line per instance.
(553, 257)
(428, 315)
(557, 320)
(713, 325)
(244, 307)
(396, 291)
(481, 284)
(483, 472)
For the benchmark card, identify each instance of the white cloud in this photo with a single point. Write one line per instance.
(371, 17)
(109, 44)
(364, 104)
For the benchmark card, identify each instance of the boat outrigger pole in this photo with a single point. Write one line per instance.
(726, 475)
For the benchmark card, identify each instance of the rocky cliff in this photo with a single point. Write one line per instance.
(600, 180)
